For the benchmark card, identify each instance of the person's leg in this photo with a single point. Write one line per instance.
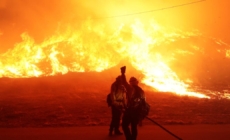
(134, 131)
(112, 124)
(117, 122)
(125, 125)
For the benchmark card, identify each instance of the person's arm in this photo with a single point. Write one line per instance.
(126, 85)
(143, 95)
(125, 98)
(112, 93)
(124, 81)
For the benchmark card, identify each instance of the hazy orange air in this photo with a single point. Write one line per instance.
(81, 36)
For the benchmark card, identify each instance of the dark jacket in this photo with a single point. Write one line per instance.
(135, 94)
(118, 95)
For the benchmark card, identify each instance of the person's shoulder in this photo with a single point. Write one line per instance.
(114, 83)
(140, 89)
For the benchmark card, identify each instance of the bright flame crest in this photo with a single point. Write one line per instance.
(150, 48)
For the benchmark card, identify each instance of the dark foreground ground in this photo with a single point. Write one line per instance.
(147, 132)
(69, 108)
(67, 101)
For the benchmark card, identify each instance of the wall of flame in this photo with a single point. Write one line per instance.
(77, 36)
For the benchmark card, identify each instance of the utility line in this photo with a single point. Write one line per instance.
(160, 9)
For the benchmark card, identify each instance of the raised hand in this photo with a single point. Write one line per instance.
(123, 69)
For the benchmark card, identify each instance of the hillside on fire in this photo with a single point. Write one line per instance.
(79, 99)
(58, 60)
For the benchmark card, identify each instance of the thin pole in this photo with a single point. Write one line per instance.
(164, 128)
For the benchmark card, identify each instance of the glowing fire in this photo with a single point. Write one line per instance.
(97, 48)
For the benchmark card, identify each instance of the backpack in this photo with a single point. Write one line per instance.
(144, 109)
(108, 100)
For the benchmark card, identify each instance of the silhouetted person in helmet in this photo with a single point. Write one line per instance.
(118, 94)
(131, 116)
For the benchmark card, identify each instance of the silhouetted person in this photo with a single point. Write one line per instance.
(117, 95)
(131, 116)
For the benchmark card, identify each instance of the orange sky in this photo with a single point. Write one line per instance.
(41, 18)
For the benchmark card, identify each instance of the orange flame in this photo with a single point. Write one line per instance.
(97, 48)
